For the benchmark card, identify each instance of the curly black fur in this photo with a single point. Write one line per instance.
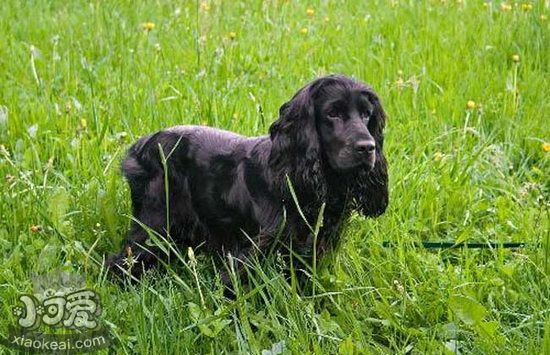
(328, 141)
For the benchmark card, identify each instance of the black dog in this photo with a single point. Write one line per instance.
(231, 193)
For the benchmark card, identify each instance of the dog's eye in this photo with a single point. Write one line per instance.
(365, 117)
(334, 115)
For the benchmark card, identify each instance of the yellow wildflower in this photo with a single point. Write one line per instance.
(310, 12)
(505, 7)
(543, 18)
(546, 147)
(36, 228)
(83, 123)
(304, 31)
(205, 6)
(471, 104)
(232, 35)
(526, 7)
(515, 58)
(148, 26)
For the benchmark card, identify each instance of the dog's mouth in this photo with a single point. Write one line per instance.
(367, 164)
(370, 160)
(347, 161)
(364, 159)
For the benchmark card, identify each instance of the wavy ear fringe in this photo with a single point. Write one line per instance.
(295, 147)
(370, 187)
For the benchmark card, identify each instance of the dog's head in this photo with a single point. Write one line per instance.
(347, 114)
(337, 117)
(334, 122)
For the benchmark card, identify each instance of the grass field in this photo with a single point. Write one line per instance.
(466, 86)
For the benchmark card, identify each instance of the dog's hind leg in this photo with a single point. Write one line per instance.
(148, 234)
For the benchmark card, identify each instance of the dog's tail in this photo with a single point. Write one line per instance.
(137, 163)
(143, 162)
(143, 159)
(139, 167)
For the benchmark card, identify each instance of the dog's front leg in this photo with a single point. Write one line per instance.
(137, 256)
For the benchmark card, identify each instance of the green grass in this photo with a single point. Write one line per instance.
(96, 81)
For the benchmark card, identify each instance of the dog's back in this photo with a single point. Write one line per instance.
(180, 145)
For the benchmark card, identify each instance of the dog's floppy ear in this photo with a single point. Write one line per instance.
(370, 187)
(295, 149)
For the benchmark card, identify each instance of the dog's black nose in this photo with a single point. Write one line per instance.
(365, 146)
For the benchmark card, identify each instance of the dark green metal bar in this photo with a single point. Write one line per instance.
(473, 245)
